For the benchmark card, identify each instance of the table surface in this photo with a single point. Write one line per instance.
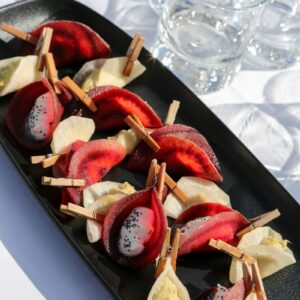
(261, 107)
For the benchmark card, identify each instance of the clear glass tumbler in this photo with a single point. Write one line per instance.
(202, 41)
(276, 44)
(156, 5)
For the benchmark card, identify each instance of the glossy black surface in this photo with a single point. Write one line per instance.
(253, 190)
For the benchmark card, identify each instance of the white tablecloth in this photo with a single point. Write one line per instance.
(261, 107)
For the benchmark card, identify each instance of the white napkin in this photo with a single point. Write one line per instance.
(14, 284)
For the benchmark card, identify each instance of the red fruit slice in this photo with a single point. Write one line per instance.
(60, 169)
(222, 224)
(91, 162)
(115, 219)
(114, 104)
(72, 42)
(237, 292)
(142, 152)
(183, 157)
(200, 211)
(33, 114)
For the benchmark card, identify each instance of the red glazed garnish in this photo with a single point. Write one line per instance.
(206, 221)
(133, 230)
(114, 104)
(236, 292)
(91, 162)
(61, 167)
(33, 114)
(183, 148)
(72, 42)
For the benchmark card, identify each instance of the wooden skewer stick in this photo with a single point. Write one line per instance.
(43, 46)
(175, 246)
(259, 222)
(142, 133)
(133, 53)
(81, 212)
(174, 188)
(259, 286)
(62, 181)
(247, 276)
(165, 250)
(79, 93)
(18, 33)
(233, 251)
(52, 71)
(37, 159)
(161, 180)
(172, 112)
(46, 160)
(135, 118)
(152, 173)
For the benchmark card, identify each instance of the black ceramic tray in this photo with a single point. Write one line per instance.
(253, 190)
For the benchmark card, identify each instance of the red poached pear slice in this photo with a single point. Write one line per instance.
(72, 42)
(143, 152)
(114, 104)
(236, 292)
(216, 222)
(183, 158)
(119, 213)
(60, 169)
(33, 114)
(92, 161)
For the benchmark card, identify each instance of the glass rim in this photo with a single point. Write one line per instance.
(220, 5)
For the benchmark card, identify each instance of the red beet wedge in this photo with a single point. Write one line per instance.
(183, 157)
(114, 104)
(206, 221)
(133, 230)
(92, 161)
(33, 114)
(60, 169)
(236, 292)
(143, 155)
(72, 42)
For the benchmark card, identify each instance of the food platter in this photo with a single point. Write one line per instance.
(253, 190)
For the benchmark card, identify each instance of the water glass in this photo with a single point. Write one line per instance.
(276, 44)
(156, 5)
(203, 41)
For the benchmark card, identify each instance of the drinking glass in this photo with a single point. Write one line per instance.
(276, 44)
(202, 41)
(156, 5)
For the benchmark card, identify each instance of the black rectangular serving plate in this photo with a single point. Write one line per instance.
(253, 190)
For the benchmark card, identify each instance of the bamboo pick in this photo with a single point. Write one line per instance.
(259, 222)
(18, 33)
(152, 173)
(135, 118)
(142, 133)
(172, 112)
(81, 212)
(133, 53)
(174, 188)
(161, 180)
(165, 250)
(52, 71)
(43, 46)
(37, 159)
(164, 253)
(175, 245)
(259, 287)
(62, 181)
(233, 251)
(79, 93)
(247, 276)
